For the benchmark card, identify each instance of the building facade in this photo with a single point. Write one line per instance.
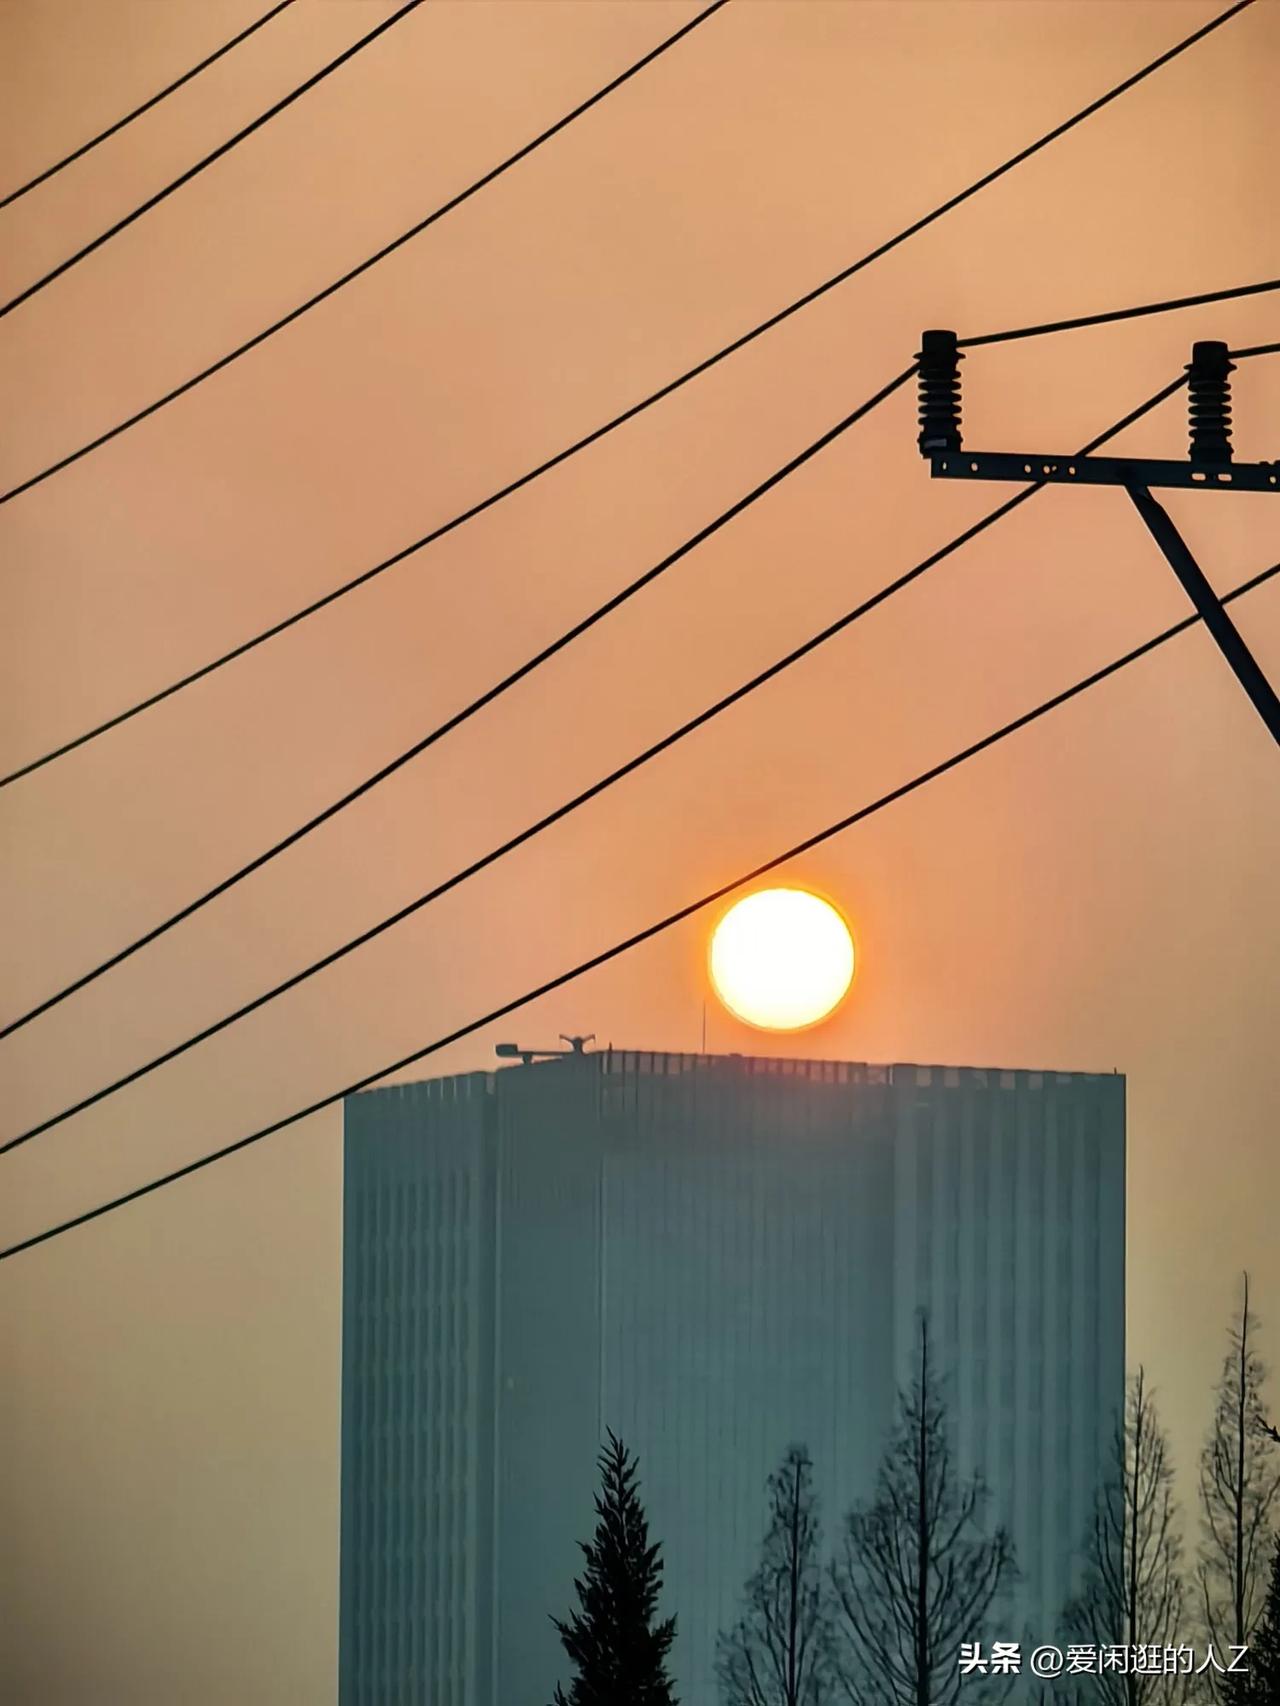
(715, 1257)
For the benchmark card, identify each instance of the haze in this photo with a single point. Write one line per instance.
(1097, 893)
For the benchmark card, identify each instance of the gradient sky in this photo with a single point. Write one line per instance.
(1098, 893)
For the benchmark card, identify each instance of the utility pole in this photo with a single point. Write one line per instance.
(1210, 467)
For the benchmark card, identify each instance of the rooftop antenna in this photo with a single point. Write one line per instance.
(1209, 467)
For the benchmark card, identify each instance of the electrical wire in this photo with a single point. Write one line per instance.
(1116, 315)
(547, 652)
(122, 224)
(169, 89)
(641, 936)
(311, 609)
(506, 683)
(694, 723)
(372, 260)
(466, 515)
(738, 343)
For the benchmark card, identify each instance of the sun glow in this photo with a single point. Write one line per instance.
(781, 959)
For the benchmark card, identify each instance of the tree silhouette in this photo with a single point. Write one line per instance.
(1132, 1594)
(617, 1649)
(916, 1576)
(779, 1652)
(1239, 1498)
(1260, 1685)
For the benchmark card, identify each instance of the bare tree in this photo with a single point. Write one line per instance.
(779, 1652)
(1239, 1494)
(916, 1575)
(1260, 1685)
(1132, 1594)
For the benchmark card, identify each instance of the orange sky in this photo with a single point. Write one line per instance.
(1097, 893)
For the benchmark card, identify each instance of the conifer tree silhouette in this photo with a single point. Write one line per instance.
(617, 1647)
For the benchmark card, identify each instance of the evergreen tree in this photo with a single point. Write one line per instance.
(617, 1648)
(1260, 1685)
(779, 1651)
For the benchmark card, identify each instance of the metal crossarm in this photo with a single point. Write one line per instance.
(1105, 471)
(1210, 467)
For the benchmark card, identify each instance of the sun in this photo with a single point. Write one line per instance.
(781, 959)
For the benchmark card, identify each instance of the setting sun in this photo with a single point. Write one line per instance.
(781, 959)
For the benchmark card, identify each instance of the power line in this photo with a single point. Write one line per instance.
(738, 343)
(1116, 315)
(694, 723)
(311, 609)
(459, 520)
(169, 89)
(486, 698)
(647, 934)
(194, 171)
(372, 260)
(509, 681)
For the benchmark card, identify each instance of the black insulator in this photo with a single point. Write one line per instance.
(1209, 392)
(938, 371)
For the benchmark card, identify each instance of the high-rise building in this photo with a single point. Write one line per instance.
(715, 1257)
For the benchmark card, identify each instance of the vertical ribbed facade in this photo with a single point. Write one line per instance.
(715, 1257)
(692, 1255)
(1009, 1204)
(417, 1396)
